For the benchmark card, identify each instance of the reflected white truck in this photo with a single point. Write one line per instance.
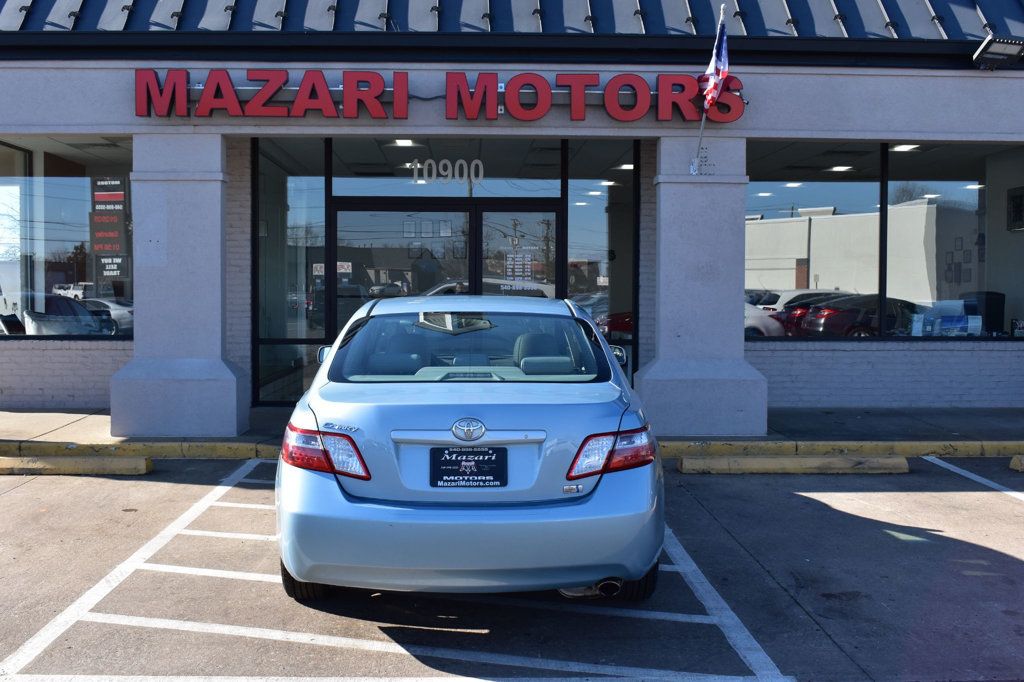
(470, 444)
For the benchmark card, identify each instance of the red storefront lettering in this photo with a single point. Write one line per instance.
(514, 89)
(643, 97)
(152, 100)
(577, 84)
(314, 95)
(218, 94)
(353, 94)
(669, 98)
(731, 100)
(458, 96)
(274, 80)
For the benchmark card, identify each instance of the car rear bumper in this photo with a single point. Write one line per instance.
(329, 537)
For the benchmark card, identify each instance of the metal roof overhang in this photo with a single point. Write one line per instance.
(491, 49)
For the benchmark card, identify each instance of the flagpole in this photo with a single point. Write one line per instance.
(695, 162)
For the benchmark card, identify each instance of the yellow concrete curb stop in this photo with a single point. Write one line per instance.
(69, 465)
(831, 464)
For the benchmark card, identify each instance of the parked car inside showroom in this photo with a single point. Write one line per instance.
(470, 444)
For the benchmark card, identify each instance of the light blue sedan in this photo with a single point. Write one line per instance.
(470, 444)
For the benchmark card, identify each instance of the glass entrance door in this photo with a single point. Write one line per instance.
(384, 254)
(519, 253)
(388, 252)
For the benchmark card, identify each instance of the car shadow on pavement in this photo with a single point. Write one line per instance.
(911, 577)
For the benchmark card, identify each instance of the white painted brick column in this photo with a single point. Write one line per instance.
(699, 383)
(179, 382)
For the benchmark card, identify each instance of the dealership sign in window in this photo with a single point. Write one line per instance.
(271, 93)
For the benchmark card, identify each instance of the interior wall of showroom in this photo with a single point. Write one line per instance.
(187, 364)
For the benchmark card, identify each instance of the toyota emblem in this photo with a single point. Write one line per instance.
(468, 429)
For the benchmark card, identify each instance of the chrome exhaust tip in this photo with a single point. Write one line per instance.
(609, 587)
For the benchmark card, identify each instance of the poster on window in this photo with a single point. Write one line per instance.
(107, 232)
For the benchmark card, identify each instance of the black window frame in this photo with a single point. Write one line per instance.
(475, 206)
(885, 149)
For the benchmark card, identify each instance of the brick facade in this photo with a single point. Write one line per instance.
(647, 276)
(891, 374)
(40, 374)
(238, 235)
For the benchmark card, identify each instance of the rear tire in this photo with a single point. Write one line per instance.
(640, 590)
(300, 591)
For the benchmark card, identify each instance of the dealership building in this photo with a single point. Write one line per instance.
(195, 195)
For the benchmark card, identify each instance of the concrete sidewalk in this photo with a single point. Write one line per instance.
(856, 440)
(79, 442)
(799, 441)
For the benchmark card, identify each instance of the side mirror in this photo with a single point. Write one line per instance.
(620, 355)
(321, 353)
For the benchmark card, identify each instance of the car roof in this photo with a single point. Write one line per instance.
(469, 303)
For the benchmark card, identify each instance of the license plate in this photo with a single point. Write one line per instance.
(468, 467)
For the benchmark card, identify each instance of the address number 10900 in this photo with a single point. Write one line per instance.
(447, 171)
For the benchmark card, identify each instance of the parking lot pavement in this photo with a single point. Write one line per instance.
(820, 577)
(913, 577)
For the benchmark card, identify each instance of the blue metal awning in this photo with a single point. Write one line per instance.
(931, 20)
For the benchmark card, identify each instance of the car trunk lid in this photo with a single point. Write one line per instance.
(405, 435)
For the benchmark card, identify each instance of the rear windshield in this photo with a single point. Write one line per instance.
(470, 347)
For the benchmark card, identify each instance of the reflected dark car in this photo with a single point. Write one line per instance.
(856, 316)
(793, 313)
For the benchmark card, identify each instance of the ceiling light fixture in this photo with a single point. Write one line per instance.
(594, 194)
(905, 147)
(839, 169)
(581, 203)
(403, 143)
(764, 194)
(625, 166)
(794, 184)
(608, 183)
(974, 186)
(931, 196)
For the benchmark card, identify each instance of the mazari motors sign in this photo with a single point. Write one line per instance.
(624, 97)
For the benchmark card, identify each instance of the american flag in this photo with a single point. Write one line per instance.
(718, 69)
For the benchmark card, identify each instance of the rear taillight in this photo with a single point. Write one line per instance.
(321, 451)
(604, 452)
(823, 313)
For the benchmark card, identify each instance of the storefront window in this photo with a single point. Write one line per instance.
(812, 240)
(955, 240)
(446, 167)
(433, 217)
(292, 297)
(602, 234)
(65, 237)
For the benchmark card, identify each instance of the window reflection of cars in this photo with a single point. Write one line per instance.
(495, 285)
(857, 316)
(61, 316)
(757, 322)
(122, 311)
(389, 290)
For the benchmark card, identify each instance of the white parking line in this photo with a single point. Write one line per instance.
(386, 647)
(244, 505)
(718, 612)
(975, 477)
(212, 572)
(732, 627)
(228, 535)
(28, 651)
